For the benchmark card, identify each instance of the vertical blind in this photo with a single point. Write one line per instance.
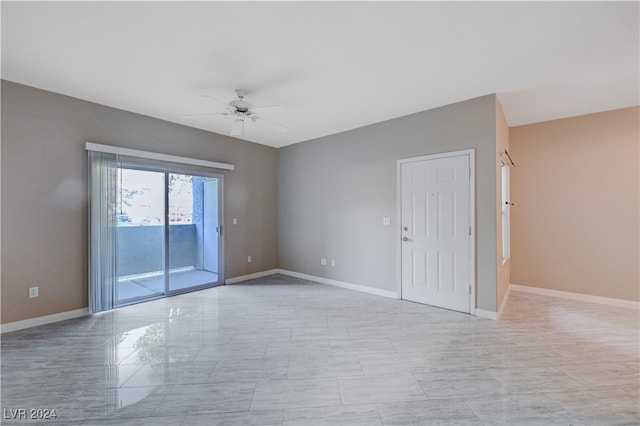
(103, 229)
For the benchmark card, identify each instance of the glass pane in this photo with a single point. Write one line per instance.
(193, 231)
(141, 220)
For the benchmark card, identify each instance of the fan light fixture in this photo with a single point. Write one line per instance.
(241, 110)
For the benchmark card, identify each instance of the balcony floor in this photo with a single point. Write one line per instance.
(130, 288)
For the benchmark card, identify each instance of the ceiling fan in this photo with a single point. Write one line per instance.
(240, 111)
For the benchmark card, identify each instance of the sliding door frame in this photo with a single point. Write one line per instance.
(130, 163)
(220, 273)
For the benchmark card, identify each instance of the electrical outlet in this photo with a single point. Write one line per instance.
(249, 260)
(323, 261)
(33, 292)
(386, 221)
(333, 262)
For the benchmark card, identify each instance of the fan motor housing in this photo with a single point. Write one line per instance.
(241, 106)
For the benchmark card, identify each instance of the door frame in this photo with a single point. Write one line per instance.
(168, 169)
(221, 232)
(471, 153)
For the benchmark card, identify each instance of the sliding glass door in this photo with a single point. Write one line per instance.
(168, 233)
(140, 246)
(192, 232)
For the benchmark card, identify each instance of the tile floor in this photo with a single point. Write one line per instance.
(281, 351)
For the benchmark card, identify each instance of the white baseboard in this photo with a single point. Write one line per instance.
(504, 301)
(486, 314)
(251, 276)
(356, 287)
(576, 296)
(47, 319)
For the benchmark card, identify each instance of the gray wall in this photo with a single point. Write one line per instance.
(44, 193)
(334, 192)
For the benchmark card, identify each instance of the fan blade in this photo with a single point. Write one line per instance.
(268, 107)
(216, 99)
(206, 114)
(275, 126)
(238, 128)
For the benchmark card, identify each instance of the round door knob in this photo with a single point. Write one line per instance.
(405, 239)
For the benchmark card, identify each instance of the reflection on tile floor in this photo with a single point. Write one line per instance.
(279, 350)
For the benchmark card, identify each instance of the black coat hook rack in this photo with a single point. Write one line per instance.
(505, 152)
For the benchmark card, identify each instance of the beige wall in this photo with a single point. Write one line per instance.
(44, 193)
(575, 225)
(502, 144)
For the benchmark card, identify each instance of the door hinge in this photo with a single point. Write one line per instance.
(469, 171)
(219, 229)
(469, 230)
(469, 289)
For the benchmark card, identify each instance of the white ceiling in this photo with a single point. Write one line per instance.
(332, 66)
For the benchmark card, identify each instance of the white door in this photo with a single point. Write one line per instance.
(436, 219)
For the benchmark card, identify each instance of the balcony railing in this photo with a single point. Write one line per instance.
(141, 248)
